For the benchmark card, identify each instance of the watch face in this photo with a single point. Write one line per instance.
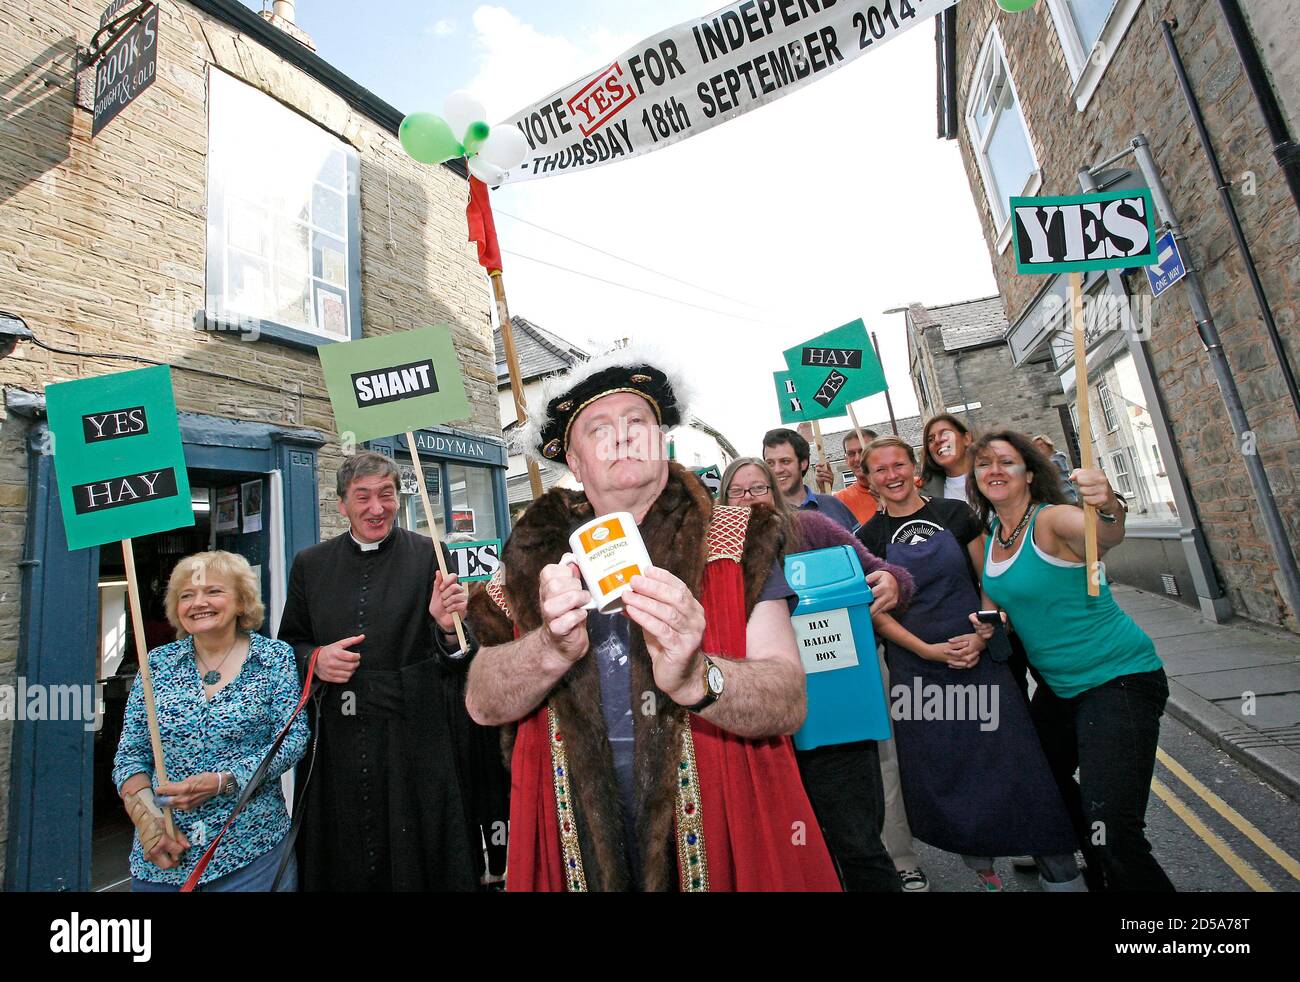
(714, 679)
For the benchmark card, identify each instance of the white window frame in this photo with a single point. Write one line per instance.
(1107, 402)
(999, 210)
(1123, 476)
(1088, 67)
(223, 197)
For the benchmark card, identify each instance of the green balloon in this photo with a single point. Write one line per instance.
(1015, 6)
(475, 135)
(428, 138)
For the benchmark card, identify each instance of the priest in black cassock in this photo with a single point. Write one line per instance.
(384, 807)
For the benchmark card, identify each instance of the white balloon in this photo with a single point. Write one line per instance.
(459, 110)
(505, 147)
(490, 174)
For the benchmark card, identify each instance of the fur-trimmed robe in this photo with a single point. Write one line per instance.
(675, 534)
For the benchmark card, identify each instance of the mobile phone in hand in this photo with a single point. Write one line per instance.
(993, 617)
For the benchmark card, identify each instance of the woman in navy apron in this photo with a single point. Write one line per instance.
(975, 781)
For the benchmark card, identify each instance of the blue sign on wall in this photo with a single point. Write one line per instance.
(1168, 268)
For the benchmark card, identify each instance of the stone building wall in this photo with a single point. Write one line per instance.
(103, 248)
(1276, 26)
(1139, 94)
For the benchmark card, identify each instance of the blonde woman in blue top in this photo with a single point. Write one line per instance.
(222, 694)
(1103, 692)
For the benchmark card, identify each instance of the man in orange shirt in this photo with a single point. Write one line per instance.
(856, 496)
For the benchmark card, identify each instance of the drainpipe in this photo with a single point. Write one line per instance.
(1284, 149)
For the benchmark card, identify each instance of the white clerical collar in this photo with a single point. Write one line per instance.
(369, 546)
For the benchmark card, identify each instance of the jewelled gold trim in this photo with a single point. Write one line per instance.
(692, 858)
(575, 877)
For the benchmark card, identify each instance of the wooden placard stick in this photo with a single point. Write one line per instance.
(433, 530)
(821, 453)
(1085, 431)
(512, 366)
(857, 431)
(146, 678)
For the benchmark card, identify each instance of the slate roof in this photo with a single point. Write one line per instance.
(540, 352)
(909, 429)
(970, 323)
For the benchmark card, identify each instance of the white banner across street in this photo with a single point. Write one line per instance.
(703, 72)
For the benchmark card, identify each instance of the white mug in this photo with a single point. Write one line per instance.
(608, 551)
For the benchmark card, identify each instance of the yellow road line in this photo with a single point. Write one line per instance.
(1272, 850)
(1243, 869)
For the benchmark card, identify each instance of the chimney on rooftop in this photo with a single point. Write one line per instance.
(282, 15)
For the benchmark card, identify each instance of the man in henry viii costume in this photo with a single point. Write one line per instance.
(651, 749)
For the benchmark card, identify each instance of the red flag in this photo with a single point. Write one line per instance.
(482, 229)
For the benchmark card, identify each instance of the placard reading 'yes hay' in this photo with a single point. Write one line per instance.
(1108, 230)
(834, 369)
(118, 456)
(394, 383)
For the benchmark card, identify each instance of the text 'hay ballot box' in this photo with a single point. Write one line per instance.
(832, 628)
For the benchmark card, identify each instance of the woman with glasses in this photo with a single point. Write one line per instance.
(843, 781)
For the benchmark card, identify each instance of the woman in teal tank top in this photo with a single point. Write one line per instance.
(1102, 690)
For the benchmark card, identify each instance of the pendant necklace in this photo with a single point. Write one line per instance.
(213, 675)
(1015, 534)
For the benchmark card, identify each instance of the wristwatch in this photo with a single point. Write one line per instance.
(713, 682)
(228, 783)
(1107, 517)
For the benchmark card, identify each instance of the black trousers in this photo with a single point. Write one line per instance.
(843, 783)
(1109, 733)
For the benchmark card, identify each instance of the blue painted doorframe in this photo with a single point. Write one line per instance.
(51, 783)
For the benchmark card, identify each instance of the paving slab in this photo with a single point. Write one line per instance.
(1231, 683)
(1210, 666)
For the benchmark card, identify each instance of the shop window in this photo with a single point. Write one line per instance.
(472, 511)
(410, 514)
(1090, 31)
(999, 136)
(283, 233)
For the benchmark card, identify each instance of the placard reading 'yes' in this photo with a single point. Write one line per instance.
(1107, 230)
(394, 383)
(474, 562)
(118, 456)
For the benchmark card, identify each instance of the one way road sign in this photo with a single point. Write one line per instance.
(1168, 268)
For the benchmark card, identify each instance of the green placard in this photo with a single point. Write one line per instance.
(118, 456)
(1081, 232)
(394, 383)
(792, 405)
(710, 477)
(834, 369)
(473, 562)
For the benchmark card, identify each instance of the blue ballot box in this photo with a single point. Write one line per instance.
(832, 627)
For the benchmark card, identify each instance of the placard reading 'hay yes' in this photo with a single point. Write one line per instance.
(834, 369)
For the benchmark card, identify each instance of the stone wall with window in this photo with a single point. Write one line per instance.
(1077, 114)
(105, 244)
